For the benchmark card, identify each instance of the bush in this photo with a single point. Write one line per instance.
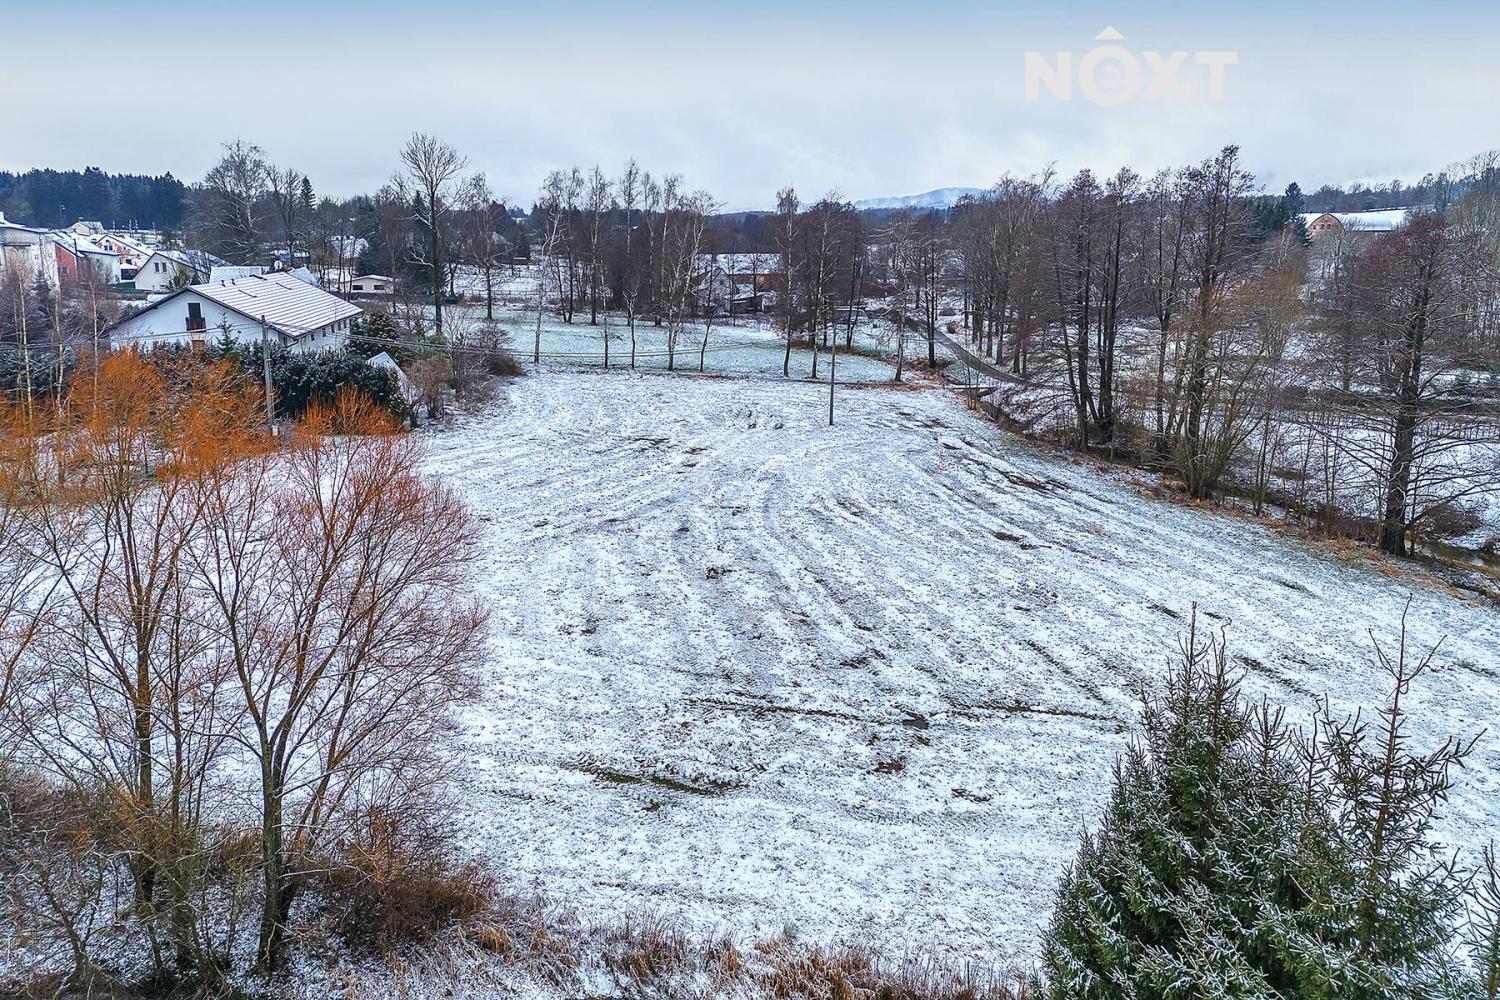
(1450, 520)
(396, 882)
(301, 380)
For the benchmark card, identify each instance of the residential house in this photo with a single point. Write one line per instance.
(1321, 224)
(743, 282)
(27, 251)
(1336, 235)
(280, 307)
(372, 284)
(77, 255)
(133, 252)
(168, 269)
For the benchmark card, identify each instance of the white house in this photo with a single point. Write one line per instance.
(162, 270)
(28, 251)
(133, 253)
(372, 284)
(295, 314)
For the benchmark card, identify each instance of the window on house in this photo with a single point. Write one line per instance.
(195, 317)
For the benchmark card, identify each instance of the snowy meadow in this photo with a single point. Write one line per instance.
(864, 681)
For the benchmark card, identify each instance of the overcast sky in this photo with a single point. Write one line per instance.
(867, 98)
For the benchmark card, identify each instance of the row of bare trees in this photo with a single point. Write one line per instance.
(222, 658)
(633, 243)
(1174, 325)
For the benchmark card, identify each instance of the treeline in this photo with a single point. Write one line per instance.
(1187, 322)
(55, 199)
(1438, 190)
(249, 210)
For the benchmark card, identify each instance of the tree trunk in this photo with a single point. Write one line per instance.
(279, 887)
(437, 272)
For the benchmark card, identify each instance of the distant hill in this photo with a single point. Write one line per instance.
(937, 198)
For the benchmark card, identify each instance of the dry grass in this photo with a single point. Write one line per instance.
(530, 944)
(856, 972)
(394, 884)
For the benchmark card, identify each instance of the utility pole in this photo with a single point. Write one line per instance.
(265, 363)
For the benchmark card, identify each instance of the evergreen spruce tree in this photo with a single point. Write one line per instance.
(1482, 935)
(1238, 858)
(1188, 889)
(1394, 897)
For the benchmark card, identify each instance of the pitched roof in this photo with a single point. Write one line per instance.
(1381, 221)
(78, 245)
(289, 304)
(290, 307)
(16, 226)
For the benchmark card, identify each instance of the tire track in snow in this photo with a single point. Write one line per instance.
(697, 582)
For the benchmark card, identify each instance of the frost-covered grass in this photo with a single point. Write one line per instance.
(739, 345)
(863, 681)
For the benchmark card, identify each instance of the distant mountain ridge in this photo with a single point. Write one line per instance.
(937, 198)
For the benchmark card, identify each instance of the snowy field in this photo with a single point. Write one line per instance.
(740, 345)
(867, 680)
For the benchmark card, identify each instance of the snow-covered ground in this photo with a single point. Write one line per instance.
(740, 345)
(865, 680)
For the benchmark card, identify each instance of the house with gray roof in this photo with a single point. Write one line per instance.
(280, 307)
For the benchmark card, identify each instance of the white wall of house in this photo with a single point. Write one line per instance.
(371, 285)
(28, 250)
(167, 324)
(105, 264)
(159, 273)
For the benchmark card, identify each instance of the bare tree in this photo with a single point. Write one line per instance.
(228, 213)
(685, 219)
(332, 571)
(433, 170)
(899, 248)
(554, 222)
(119, 696)
(1163, 270)
(596, 207)
(289, 190)
(630, 186)
(480, 238)
(786, 236)
(1208, 427)
(1410, 286)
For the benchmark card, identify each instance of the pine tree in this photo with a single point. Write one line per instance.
(1188, 888)
(1240, 858)
(1395, 897)
(1482, 934)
